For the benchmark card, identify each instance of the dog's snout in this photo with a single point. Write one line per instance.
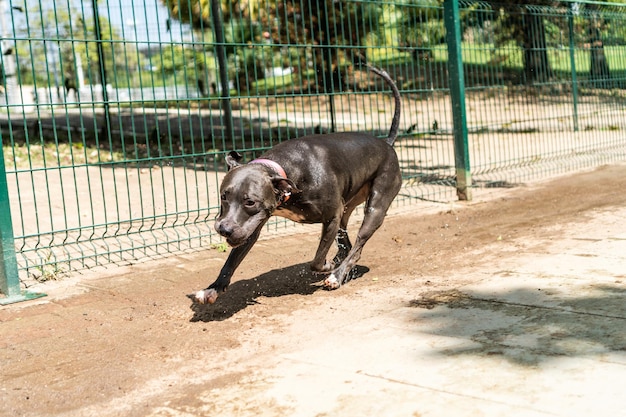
(225, 230)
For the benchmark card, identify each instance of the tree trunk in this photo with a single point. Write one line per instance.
(599, 69)
(536, 64)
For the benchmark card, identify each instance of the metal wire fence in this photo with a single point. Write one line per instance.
(115, 115)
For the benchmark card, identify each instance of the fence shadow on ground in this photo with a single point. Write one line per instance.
(527, 326)
(295, 279)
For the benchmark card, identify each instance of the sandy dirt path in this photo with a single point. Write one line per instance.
(510, 305)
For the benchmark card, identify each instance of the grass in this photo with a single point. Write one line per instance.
(49, 270)
(511, 56)
(269, 85)
(19, 157)
(220, 247)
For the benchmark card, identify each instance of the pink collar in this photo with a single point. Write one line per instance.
(279, 170)
(271, 164)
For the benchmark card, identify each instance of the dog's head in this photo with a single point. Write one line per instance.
(249, 195)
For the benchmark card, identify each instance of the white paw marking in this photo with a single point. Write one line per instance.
(206, 296)
(332, 282)
(200, 297)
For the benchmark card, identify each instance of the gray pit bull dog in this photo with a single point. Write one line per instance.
(313, 179)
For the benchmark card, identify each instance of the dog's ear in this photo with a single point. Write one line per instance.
(284, 186)
(232, 159)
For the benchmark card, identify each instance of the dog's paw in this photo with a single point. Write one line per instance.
(332, 283)
(206, 296)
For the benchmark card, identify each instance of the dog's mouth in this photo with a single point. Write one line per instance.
(235, 242)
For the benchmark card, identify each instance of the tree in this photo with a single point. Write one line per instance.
(197, 13)
(420, 27)
(599, 67)
(60, 42)
(524, 24)
(322, 25)
(242, 33)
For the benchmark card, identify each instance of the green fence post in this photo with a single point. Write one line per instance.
(9, 279)
(457, 95)
(572, 58)
(220, 48)
(102, 67)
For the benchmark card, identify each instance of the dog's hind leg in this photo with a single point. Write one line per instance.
(343, 240)
(375, 210)
(343, 246)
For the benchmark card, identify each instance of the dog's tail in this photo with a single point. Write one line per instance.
(393, 131)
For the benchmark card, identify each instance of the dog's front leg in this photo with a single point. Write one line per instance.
(329, 232)
(209, 295)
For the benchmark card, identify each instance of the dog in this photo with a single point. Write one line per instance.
(312, 179)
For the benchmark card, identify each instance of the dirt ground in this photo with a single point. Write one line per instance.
(128, 341)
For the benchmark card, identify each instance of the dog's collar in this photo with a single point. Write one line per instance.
(270, 164)
(279, 170)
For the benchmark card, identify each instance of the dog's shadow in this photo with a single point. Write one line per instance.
(296, 279)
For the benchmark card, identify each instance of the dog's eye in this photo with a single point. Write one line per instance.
(250, 203)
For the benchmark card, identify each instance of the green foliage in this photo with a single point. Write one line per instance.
(180, 59)
(420, 25)
(220, 247)
(248, 57)
(259, 34)
(62, 40)
(251, 51)
(193, 12)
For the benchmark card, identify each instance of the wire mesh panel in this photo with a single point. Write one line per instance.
(545, 88)
(115, 115)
